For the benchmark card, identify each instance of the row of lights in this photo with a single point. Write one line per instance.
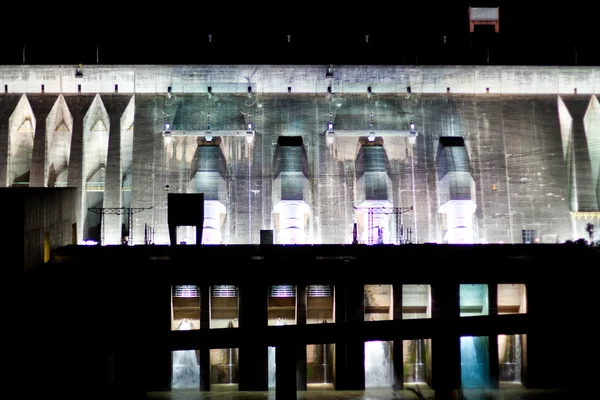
(167, 127)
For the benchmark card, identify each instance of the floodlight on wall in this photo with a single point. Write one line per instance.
(330, 126)
(412, 127)
(167, 127)
(250, 127)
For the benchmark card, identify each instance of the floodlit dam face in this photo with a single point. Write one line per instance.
(479, 154)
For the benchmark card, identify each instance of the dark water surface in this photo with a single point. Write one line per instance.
(506, 392)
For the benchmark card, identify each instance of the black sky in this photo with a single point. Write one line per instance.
(323, 32)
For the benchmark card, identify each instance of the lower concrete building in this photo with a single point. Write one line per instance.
(130, 320)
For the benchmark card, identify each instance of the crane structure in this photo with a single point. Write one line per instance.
(396, 211)
(129, 211)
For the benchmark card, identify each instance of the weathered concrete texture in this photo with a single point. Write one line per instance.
(301, 79)
(37, 221)
(514, 144)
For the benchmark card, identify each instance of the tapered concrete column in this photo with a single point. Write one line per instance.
(78, 106)
(41, 110)
(301, 348)
(398, 356)
(204, 350)
(115, 107)
(253, 353)
(355, 350)
(445, 347)
(285, 374)
(493, 340)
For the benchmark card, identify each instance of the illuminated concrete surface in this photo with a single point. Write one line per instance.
(530, 138)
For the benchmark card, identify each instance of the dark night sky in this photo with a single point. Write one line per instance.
(325, 32)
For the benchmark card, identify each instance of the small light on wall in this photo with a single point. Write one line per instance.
(448, 90)
(487, 89)
(494, 187)
(166, 188)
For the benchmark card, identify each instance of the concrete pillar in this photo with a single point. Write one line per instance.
(301, 348)
(445, 347)
(493, 339)
(285, 374)
(115, 107)
(355, 350)
(204, 350)
(158, 364)
(339, 305)
(397, 356)
(78, 107)
(253, 353)
(41, 110)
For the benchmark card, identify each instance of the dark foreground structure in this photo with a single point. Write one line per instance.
(110, 316)
(386, 210)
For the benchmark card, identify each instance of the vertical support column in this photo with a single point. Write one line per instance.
(39, 153)
(445, 344)
(285, 374)
(4, 146)
(75, 178)
(546, 306)
(493, 339)
(341, 379)
(204, 350)
(253, 353)
(155, 361)
(355, 312)
(112, 223)
(301, 347)
(398, 356)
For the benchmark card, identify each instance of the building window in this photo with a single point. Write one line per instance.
(512, 298)
(474, 300)
(416, 301)
(529, 236)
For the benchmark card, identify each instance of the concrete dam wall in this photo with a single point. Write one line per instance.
(317, 154)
